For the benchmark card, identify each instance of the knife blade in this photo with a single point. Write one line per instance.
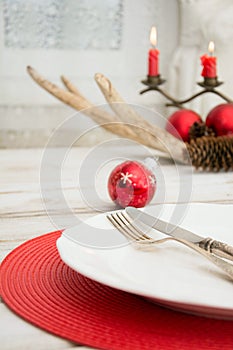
(163, 226)
(219, 248)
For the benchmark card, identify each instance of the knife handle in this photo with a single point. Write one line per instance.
(222, 264)
(218, 248)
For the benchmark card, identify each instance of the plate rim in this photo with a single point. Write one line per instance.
(209, 311)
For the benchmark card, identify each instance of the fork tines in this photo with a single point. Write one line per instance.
(125, 225)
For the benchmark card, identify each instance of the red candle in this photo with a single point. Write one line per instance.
(153, 57)
(209, 63)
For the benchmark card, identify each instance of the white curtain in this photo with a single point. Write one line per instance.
(200, 22)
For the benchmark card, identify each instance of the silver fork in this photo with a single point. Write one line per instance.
(134, 234)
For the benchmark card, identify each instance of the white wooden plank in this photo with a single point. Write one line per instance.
(15, 334)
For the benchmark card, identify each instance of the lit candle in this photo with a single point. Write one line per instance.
(209, 63)
(153, 57)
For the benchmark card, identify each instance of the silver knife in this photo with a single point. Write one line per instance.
(213, 246)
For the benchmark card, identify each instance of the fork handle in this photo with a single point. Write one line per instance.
(218, 248)
(223, 265)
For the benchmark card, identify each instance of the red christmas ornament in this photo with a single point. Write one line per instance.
(180, 122)
(131, 184)
(220, 119)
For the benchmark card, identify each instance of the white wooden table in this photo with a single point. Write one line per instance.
(23, 217)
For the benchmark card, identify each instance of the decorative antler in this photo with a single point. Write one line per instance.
(73, 98)
(125, 121)
(143, 129)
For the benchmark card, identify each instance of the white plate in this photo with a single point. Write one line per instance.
(171, 275)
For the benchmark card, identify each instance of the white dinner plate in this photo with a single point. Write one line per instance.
(171, 275)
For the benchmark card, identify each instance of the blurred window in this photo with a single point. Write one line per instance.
(63, 24)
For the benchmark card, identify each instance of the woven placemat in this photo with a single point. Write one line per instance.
(39, 287)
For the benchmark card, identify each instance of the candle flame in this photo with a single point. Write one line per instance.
(153, 36)
(211, 47)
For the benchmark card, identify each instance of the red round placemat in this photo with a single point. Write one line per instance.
(39, 287)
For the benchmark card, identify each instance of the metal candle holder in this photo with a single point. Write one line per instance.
(209, 85)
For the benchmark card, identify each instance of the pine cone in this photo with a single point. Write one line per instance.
(200, 129)
(212, 153)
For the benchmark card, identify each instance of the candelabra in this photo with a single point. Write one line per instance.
(208, 84)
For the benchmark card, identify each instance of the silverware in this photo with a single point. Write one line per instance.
(220, 249)
(124, 224)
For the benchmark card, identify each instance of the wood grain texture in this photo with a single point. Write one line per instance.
(23, 216)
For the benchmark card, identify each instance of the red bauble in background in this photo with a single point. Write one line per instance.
(220, 119)
(131, 184)
(182, 121)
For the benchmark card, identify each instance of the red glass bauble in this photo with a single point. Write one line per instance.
(180, 122)
(131, 184)
(220, 119)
